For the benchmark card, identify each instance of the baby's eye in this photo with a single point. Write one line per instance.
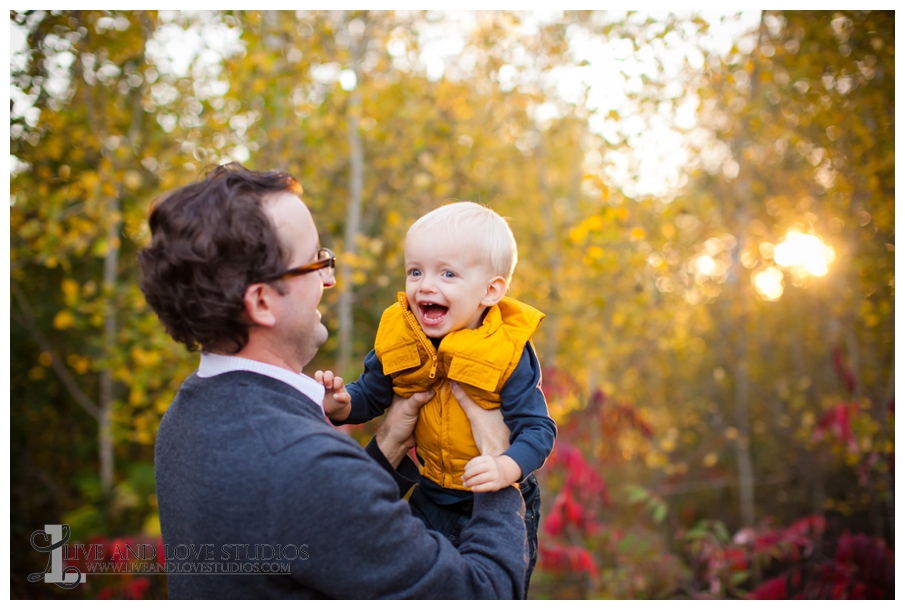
(449, 274)
(414, 273)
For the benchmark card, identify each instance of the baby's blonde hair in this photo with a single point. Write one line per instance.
(487, 230)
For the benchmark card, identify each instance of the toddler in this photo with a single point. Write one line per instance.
(454, 330)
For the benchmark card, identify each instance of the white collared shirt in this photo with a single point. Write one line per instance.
(212, 365)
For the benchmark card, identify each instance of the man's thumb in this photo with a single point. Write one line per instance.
(420, 398)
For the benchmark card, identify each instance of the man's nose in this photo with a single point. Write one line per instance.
(329, 282)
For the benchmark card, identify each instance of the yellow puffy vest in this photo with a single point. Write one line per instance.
(479, 360)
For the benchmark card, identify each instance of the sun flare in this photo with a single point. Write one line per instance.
(806, 252)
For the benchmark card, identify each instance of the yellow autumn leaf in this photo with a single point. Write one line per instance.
(82, 364)
(89, 180)
(151, 526)
(577, 234)
(123, 374)
(100, 248)
(70, 290)
(144, 358)
(63, 320)
(136, 397)
(161, 405)
(655, 459)
(593, 223)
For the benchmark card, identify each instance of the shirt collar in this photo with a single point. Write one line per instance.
(212, 365)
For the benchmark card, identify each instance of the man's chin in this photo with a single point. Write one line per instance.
(322, 334)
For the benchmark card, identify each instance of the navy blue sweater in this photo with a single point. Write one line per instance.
(250, 473)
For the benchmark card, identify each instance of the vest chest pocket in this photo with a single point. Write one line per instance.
(481, 375)
(400, 357)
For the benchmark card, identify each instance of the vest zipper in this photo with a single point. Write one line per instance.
(419, 332)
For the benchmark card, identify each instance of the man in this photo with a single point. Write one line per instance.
(259, 497)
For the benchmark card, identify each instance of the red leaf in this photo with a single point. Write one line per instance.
(561, 558)
(842, 369)
(775, 588)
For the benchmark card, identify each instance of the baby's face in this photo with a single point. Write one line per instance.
(445, 282)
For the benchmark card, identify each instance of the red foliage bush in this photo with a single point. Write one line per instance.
(862, 567)
(837, 424)
(562, 558)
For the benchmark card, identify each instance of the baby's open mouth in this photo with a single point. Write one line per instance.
(431, 313)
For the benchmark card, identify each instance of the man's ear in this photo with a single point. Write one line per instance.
(259, 302)
(496, 290)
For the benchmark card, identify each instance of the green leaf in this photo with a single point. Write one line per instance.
(722, 534)
(660, 512)
(737, 578)
(636, 494)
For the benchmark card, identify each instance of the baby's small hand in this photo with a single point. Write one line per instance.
(491, 473)
(337, 401)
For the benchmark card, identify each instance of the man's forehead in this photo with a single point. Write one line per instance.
(285, 207)
(293, 221)
(279, 197)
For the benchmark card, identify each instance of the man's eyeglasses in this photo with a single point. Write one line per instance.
(325, 263)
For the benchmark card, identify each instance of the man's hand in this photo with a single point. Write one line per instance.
(487, 473)
(337, 402)
(491, 435)
(395, 437)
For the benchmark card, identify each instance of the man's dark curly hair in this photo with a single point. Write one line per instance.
(209, 241)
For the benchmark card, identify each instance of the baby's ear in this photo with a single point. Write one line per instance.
(496, 290)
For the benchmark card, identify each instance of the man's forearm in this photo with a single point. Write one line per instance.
(405, 473)
(391, 449)
(395, 434)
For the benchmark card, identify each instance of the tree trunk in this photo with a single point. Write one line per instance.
(554, 261)
(105, 431)
(353, 218)
(742, 417)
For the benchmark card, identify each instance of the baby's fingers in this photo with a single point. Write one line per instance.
(476, 466)
(483, 487)
(327, 379)
(483, 481)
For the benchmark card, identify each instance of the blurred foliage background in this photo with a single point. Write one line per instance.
(718, 351)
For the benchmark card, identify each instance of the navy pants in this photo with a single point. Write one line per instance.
(450, 519)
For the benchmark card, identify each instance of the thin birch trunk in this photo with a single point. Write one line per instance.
(105, 432)
(353, 217)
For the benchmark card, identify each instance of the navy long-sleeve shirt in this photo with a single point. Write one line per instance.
(522, 404)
